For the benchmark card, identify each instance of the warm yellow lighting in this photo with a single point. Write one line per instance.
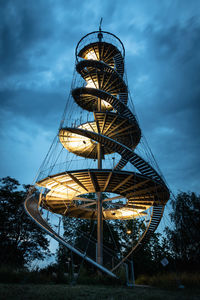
(91, 55)
(105, 104)
(128, 231)
(130, 212)
(89, 126)
(50, 185)
(127, 213)
(75, 141)
(94, 84)
(91, 84)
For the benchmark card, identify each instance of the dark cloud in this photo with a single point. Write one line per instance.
(169, 102)
(22, 28)
(162, 44)
(34, 106)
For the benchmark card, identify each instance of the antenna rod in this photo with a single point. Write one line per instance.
(100, 23)
(100, 35)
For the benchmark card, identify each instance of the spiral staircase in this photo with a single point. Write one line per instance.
(114, 129)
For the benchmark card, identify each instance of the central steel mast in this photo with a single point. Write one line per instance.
(99, 194)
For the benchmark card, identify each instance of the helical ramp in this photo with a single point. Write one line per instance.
(114, 129)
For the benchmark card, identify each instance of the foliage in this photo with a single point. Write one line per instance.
(170, 280)
(116, 242)
(22, 241)
(184, 236)
(82, 234)
(20, 238)
(62, 258)
(88, 292)
(119, 236)
(10, 275)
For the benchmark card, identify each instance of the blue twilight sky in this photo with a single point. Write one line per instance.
(162, 42)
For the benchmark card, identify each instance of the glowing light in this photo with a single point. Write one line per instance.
(77, 141)
(94, 84)
(128, 231)
(129, 212)
(91, 55)
(105, 104)
(91, 83)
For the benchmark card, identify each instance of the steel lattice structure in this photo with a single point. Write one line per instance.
(114, 129)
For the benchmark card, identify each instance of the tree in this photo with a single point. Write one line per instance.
(21, 239)
(119, 237)
(184, 236)
(82, 234)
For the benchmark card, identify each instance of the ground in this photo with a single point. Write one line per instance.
(87, 292)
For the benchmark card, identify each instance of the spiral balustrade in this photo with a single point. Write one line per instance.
(113, 130)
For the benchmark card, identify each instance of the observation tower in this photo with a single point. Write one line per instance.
(96, 168)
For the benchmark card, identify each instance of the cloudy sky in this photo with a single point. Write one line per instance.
(162, 42)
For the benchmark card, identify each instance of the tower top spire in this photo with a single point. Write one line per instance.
(100, 23)
(100, 35)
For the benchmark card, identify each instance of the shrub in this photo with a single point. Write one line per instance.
(171, 280)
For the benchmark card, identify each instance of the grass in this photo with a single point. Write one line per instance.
(24, 284)
(91, 292)
(171, 280)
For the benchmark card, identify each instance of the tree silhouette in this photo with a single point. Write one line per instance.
(184, 236)
(21, 240)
